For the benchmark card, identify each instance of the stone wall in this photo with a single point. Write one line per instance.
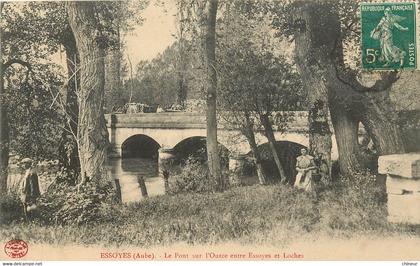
(403, 186)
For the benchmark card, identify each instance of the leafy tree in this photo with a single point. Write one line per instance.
(46, 31)
(156, 82)
(116, 19)
(200, 27)
(257, 78)
(25, 48)
(256, 85)
(35, 125)
(324, 33)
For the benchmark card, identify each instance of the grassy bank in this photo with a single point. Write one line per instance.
(250, 215)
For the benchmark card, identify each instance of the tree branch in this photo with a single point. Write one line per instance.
(349, 78)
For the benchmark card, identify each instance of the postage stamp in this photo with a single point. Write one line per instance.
(389, 33)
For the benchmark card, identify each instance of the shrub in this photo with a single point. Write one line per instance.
(354, 203)
(193, 177)
(11, 209)
(64, 204)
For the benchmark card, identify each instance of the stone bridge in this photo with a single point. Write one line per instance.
(171, 129)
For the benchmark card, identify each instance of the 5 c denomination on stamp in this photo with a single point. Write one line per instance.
(389, 36)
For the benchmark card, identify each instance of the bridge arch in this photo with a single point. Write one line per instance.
(191, 146)
(140, 146)
(196, 146)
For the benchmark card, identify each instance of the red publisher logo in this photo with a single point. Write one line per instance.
(16, 248)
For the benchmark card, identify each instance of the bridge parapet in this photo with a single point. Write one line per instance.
(184, 120)
(157, 120)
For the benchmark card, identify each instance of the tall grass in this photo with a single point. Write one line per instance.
(255, 214)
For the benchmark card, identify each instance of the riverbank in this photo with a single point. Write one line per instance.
(255, 215)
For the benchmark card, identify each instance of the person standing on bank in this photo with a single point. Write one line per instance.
(30, 188)
(304, 166)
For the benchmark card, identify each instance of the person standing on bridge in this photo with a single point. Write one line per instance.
(304, 166)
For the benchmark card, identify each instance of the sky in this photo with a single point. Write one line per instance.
(146, 41)
(155, 35)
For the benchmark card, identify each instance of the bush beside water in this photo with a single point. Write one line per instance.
(193, 177)
(66, 204)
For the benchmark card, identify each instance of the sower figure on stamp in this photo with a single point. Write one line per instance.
(390, 53)
(29, 188)
(304, 166)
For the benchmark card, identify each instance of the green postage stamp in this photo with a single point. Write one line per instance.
(389, 36)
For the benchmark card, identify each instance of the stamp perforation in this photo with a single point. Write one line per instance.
(389, 35)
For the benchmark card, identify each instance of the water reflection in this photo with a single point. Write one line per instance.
(127, 171)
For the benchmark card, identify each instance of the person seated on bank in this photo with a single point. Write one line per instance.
(29, 192)
(304, 166)
(159, 109)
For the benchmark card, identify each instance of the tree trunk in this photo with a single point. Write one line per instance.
(4, 134)
(113, 59)
(181, 59)
(311, 51)
(68, 150)
(181, 92)
(92, 132)
(346, 128)
(212, 145)
(4, 127)
(269, 134)
(381, 122)
(113, 77)
(250, 136)
(258, 163)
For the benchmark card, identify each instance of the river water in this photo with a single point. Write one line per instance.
(126, 170)
(129, 169)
